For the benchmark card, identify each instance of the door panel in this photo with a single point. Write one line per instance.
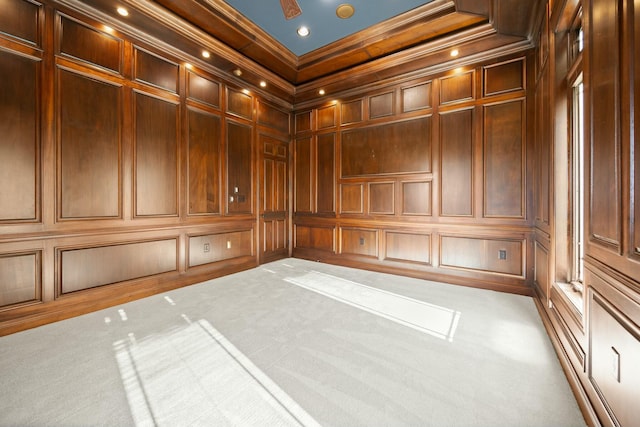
(274, 203)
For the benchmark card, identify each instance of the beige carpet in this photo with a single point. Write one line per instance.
(292, 343)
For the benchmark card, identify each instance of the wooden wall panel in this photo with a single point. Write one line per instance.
(402, 246)
(482, 254)
(351, 198)
(203, 90)
(19, 141)
(89, 147)
(302, 181)
(504, 159)
(382, 198)
(359, 241)
(456, 170)
(220, 246)
(320, 238)
(156, 71)
(90, 267)
(239, 103)
(402, 147)
(504, 77)
(19, 278)
(416, 198)
(239, 168)
(381, 105)
(635, 161)
(204, 162)
(326, 173)
(326, 117)
(416, 97)
(303, 121)
(352, 112)
(273, 118)
(156, 154)
(457, 88)
(541, 275)
(604, 190)
(20, 19)
(89, 45)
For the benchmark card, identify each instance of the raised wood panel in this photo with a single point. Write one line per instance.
(457, 88)
(90, 45)
(204, 162)
(541, 273)
(89, 147)
(320, 238)
(273, 118)
(416, 198)
(412, 247)
(274, 176)
(352, 112)
(19, 278)
(203, 90)
(239, 168)
(482, 254)
(614, 369)
(359, 241)
(326, 117)
(19, 142)
(303, 172)
(381, 105)
(156, 71)
(604, 69)
(156, 156)
(543, 149)
(239, 103)
(382, 198)
(391, 148)
(220, 246)
(326, 173)
(416, 97)
(274, 237)
(504, 159)
(90, 267)
(351, 198)
(504, 77)
(20, 19)
(303, 121)
(456, 170)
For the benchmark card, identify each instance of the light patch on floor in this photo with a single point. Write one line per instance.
(431, 319)
(194, 375)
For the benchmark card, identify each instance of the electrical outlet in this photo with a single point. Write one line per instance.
(502, 254)
(207, 247)
(362, 240)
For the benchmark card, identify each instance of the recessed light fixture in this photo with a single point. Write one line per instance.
(321, 92)
(455, 52)
(205, 54)
(122, 11)
(345, 11)
(189, 66)
(263, 84)
(246, 91)
(237, 72)
(108, 29)
(303, 31)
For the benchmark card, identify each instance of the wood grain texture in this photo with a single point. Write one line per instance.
(239, 168)
(205, 135)
(156, 71)
(217, 247)
(21, 19)
(456, 163)
(405, 246)
(20, 278)
(89, 45)
(326, 173)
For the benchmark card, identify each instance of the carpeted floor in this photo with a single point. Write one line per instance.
(292, 343)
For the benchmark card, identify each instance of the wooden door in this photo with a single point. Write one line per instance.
(274, 201)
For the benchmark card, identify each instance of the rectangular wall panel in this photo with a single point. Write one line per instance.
(203, 90)
(20, 19)
(456, 170)
(273, 118)
(326, 173)
(359, 241)
(401, 246)
(457, 88)
(416, 97)
(239, 103)
(504, 77)
(217, 247)
(239, 168)
(416, 198)
(352, 112)
(204, 162)
(382, 198)
(90, 45)
(542, 268)
(156, 71)
(351, 198)
(482, 254)
(19, 130)
(381, 105)
(19, 278)
(91, 267)
(156, 154)
(327, 117)
(321, 238)
(89, 147)
(504, 143)
(302, 181)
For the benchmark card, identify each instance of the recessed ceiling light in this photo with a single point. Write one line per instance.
(345, 11)
(303, 31)
(246, 91)
(205, 54)
(122, 11)
(321, 92)
(189, 66)
(455, 52)
(263, 84)
(237, 72)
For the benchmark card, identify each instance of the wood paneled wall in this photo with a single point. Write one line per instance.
(597, 331)
(427, 177)
(125, 171)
